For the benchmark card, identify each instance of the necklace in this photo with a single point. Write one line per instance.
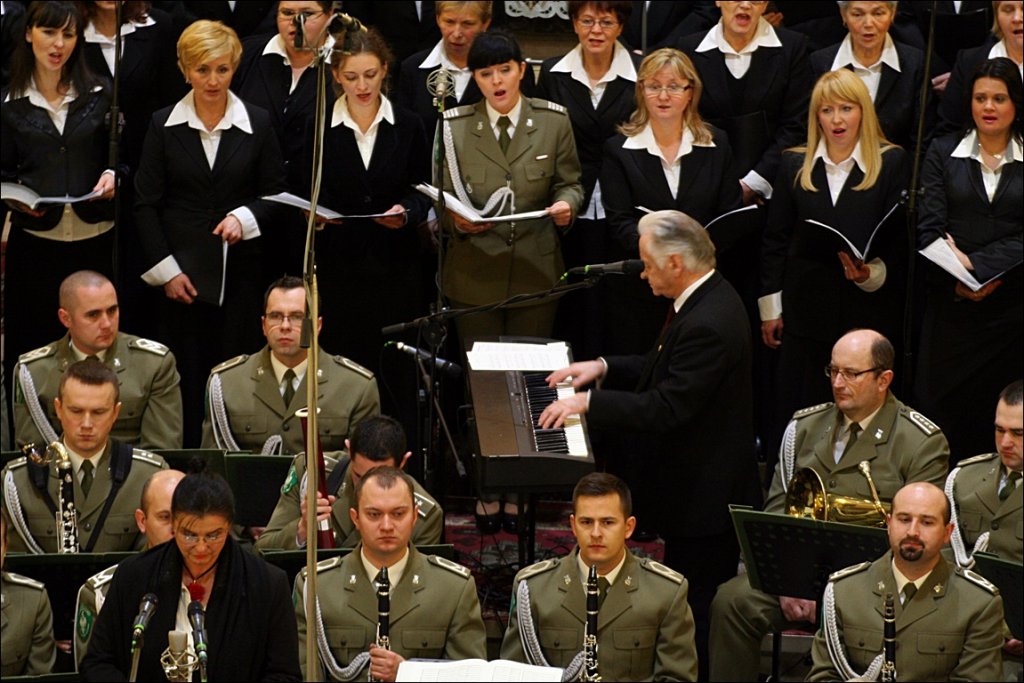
(196, 590)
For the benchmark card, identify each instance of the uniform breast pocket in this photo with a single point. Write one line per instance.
(639, 643)
(560, 645)
(249, 425)
(971, 521)
(42, 526)
(333, 431)
(13, 657)
(862, 645)
(130, 417)
(937, 653)
(347, 642)
(424, 642)
(474, 176)
(540, 170)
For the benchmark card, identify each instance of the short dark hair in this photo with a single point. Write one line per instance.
(1013, 394)
(386, 477)
(203, 493)
(1000, 69)
(91, 372)
(493, 47)
(621, 9)
(598, 484)
(287, 282)
(379, 438)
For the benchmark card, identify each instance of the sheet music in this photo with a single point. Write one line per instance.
(452, 203)
(940, 253)
(475, 670)
(528, 357)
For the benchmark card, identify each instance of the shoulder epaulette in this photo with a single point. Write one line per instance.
(16, 463)
(458, 112)
(535, 569)
(977, 580)
(661, 570)
(149, 345)
(354, 366)
(424, 506)
(984, 457)
(804, 412)
(103, 578)
(324, 565)
(449, 565)
(147, 457)
(539, 103)
(36, 354)
(848, 571)
(24, 581)
(920, 421)
(228, 364)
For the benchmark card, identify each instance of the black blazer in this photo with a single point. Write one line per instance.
(250, 619)
(33, 153)
(697, 375)
(897, 99)
(777, 86)
(264, 80)
(250, 17)
(634, 177)
(667, 22)
(590, 127)
(954, 112)
(801, 260)
(397, 22)
(180, 200)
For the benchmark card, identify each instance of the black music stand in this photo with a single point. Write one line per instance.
(178, 459)
(294, 561)
(1008, 576)
(256, 482)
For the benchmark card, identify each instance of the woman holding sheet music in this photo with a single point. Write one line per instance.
(822, 284)
(973, 209)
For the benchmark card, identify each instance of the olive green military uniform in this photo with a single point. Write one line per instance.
(901, 446)
(150, 397)
(91, 595)
(435, 613)
(280, 531)
(951, 630)
(644, 630)
(976, 494)
(512, 257)
(26, 627)
(119, 532)
(347, 394)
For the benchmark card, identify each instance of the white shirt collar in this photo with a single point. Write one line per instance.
(999, 50)
(572, 63)
(395, 571)
(846, 56)
(764, 37)
(82, 355)
(970, 148)
(688, 292)
(276, 46)
(280, 368)
(341, 114)
(857, 158)
(610, 576)
(493, 114)
(77, 460)
(92, 35)
(36, 97)
(645, 140)
(902, 580)
(235, 114)
(438, 57)
(866, 422)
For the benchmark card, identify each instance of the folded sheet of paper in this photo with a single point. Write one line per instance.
(289, 199)
(452, 203)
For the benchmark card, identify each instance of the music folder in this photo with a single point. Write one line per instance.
(941, 254)
(861, 254)
(731, 227)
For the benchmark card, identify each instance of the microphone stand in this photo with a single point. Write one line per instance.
(113, 140)
(912, 219)
(136, 653)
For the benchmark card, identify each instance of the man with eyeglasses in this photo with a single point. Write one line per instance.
(251, 400)
(865, 423)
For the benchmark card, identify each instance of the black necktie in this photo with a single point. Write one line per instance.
(854, 431)
(87, 476)
(602, 590)
(289, 387)
(909, 591)
(504, 139)
(1009, 485)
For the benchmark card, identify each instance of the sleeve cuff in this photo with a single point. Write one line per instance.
(250, 228)
(758, 184)
(162, 273)
(299, 545)
(877, 277)
(770, 306)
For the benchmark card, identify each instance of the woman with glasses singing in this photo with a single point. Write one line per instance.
(250, 628)
(850, 178)
(665, 157)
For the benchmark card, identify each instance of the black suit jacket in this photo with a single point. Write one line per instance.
(689, 404)
(897, 100)
(954, 112)
(397, 22)
(777, 86)
(180, 199)
(667, 22)
(249, 17)
(634, 177)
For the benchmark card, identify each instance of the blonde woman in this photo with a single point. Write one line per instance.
(847, 176)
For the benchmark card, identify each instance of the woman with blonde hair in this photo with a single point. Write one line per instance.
(665, 157)
(848, 177)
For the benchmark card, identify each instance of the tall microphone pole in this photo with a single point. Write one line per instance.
(113, 143)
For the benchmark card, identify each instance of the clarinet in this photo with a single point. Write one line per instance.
(383, 585)
(889, 639)
(589, 670)
(66, 516)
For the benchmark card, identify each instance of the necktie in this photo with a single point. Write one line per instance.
(1009, 484)
(852, 439)
(504, 139)
(92, 357)
(289, 387)
(87, 476)
(909, 591)
(602, 590)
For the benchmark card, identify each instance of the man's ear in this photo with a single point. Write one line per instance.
(140, 520)
(64, 316)
(405, 459)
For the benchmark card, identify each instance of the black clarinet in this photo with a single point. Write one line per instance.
(589, 670)
(889, 639)
(383, 584)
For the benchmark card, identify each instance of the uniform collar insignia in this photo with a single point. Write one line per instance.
(117, 362)
(629, 581)
(529, 123)
(937, 588)
(319, 373)
(878, 433)
(567, 579)
(415, 579)
(881, 585)
(259, 370)
(352, 579)
(479, 125)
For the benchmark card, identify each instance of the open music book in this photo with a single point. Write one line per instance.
(290, 199)
(941, 254)
(452, 203)
(475, 670)
(30, 198)
(862, 255)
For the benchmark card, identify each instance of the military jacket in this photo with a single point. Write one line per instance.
(950, 631)
(91, 595)
(26, 627)
(150, 396)
(280, 531)
(119, 532)
(645, 628)
(900, 445)
(541, 167)
(435, 613)
(976, 492)
(346, 391)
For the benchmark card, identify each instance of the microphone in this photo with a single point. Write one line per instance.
(630, 267)
(345, 22)
(299, 22)
(197, 618)
(146, 609)
(445, 366)
(440, 85)
(177, 662)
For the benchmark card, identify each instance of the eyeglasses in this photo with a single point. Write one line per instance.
(672, 89)
(589, 23)
(276, 318)
(290, 14)
(847, 375)
(190, 539)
